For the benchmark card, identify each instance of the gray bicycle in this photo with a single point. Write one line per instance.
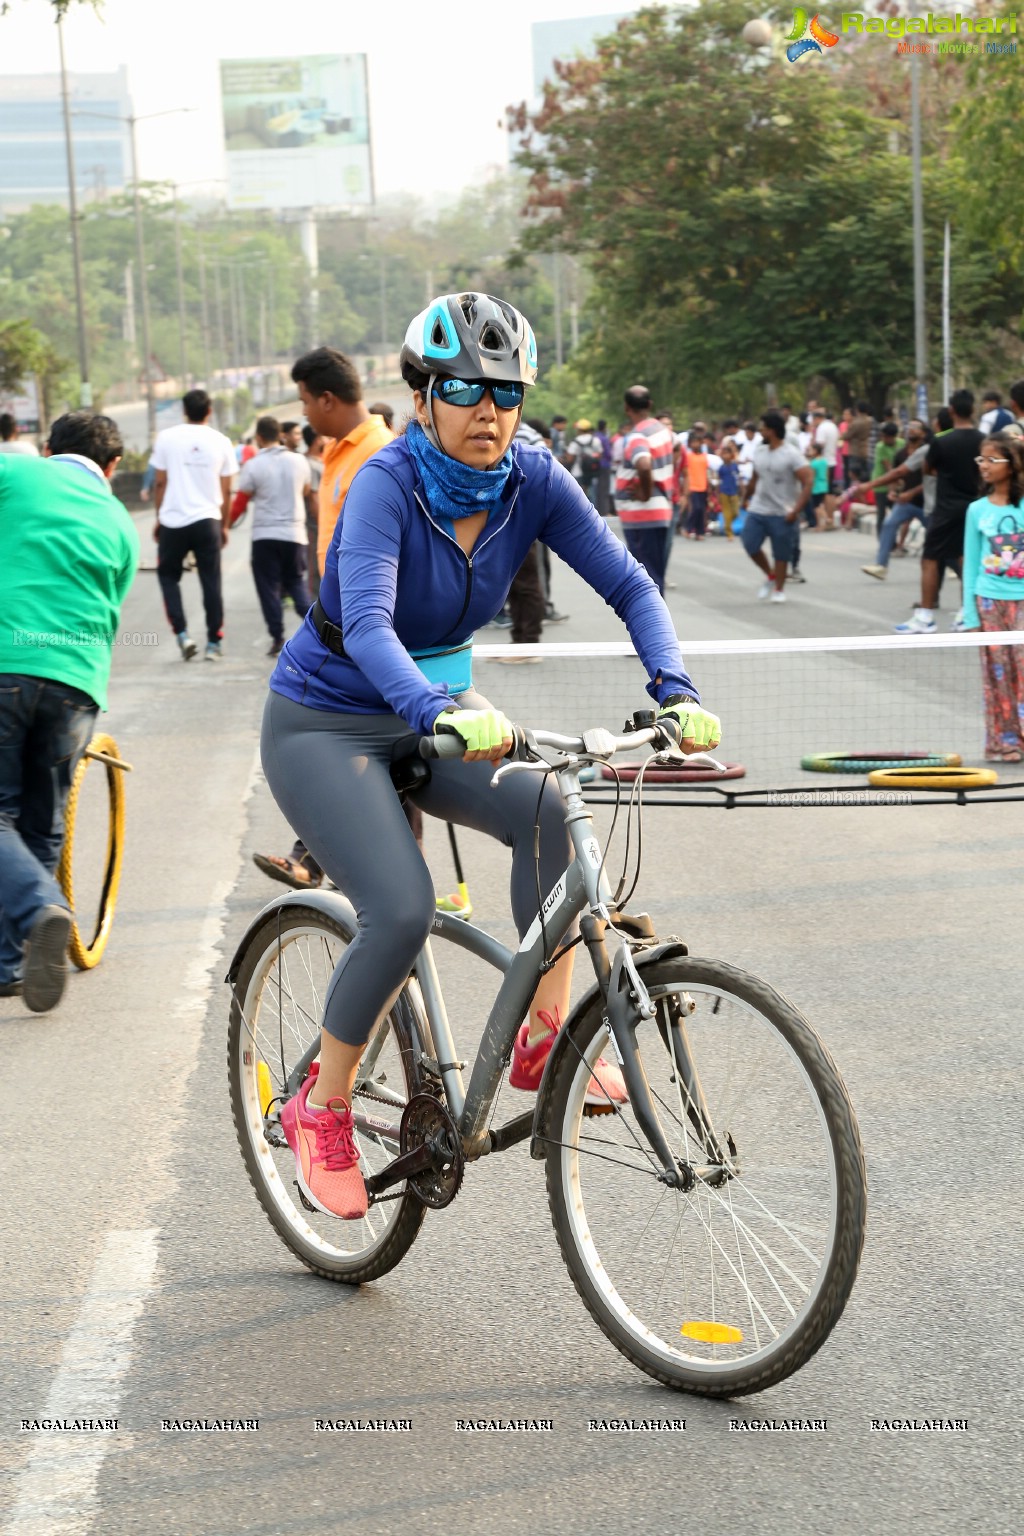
(712, 1225)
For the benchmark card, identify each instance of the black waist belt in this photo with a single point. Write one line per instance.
(330, 634)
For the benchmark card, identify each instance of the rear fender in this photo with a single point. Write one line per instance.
(578, 1023)
(331, 903)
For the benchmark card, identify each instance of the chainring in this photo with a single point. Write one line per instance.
(426, 1122)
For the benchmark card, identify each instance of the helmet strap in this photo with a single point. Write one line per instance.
(430, 429)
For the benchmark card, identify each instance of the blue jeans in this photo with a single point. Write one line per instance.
(902, 512)
(45, 727)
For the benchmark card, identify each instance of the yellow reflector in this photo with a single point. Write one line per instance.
(264, 1086)
(712, 1333)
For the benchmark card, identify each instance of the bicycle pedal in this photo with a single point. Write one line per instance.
(307, 1203)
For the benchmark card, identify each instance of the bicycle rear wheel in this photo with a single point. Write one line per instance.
(84, 951)
(729, 1287)
(276, 1010)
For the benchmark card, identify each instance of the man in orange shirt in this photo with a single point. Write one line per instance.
(332, 399)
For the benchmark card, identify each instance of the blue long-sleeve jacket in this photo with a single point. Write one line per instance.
(396, 582)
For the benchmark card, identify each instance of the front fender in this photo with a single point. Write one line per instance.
(579, 1016)
(331, 903)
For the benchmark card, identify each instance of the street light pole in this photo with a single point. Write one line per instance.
(85, 389)
(140, 244)
(182, 352)
(920, 338)
(207, 378)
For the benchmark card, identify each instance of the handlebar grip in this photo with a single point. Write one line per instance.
(448, 743)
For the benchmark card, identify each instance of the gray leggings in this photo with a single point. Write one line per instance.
(329, 773)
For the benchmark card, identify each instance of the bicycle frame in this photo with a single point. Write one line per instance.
(581, 891)
(584, 885)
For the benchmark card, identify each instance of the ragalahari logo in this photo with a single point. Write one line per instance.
(817, 37)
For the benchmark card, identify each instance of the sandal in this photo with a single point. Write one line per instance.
(288, 870)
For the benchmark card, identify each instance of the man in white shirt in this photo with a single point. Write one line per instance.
(10, 442)
(194, 467)
(277, 480)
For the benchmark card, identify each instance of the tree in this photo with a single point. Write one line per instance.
(61, 7)
(986, 126)
(747, 223)
(26, 352)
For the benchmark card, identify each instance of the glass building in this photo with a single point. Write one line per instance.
(33, 158)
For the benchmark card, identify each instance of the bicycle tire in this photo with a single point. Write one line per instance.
(272, 1179)
(867, 762)
(598, 1276)
(87, 953)
(922, 776)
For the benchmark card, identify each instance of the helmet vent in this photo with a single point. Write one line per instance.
(438, 336)
(493, 338)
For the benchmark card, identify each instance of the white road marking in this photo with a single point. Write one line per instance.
(56, 1488)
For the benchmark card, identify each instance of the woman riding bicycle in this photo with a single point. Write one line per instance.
(435, 527)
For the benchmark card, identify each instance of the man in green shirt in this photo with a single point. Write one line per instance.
(888, 446)
(68, 553)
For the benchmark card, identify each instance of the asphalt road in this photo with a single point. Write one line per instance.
(142, 1282)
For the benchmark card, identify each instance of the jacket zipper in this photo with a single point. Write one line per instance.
(468, 558)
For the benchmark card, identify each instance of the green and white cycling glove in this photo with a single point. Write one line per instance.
(483, 730)
(701, 730)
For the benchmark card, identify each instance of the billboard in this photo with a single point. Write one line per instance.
(297, 131)
(23, 406)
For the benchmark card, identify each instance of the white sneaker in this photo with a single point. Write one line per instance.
(918, 625)
(777, 597)
(958, 625)
(765, 590)
(878, 571)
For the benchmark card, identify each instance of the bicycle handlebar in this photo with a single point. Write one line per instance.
(594, 743)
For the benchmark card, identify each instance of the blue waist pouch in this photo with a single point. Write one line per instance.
(448, 666)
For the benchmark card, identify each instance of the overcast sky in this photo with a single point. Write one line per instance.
(441, 71)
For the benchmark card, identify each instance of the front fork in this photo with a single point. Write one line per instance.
(628, 1003)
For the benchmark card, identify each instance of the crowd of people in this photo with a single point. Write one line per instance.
(764, 482)
(771, 479)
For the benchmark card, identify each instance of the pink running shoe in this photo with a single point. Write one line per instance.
(528, 1067)
(326, 1154)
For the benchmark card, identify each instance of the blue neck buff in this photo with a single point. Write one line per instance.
(455, 489)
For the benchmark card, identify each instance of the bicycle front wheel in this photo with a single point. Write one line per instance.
(96, 844)
(729, 1286)
(276, 1012)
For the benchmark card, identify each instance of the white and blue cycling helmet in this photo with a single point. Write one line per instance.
(470, 336)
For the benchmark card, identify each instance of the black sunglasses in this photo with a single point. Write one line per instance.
(506, 396)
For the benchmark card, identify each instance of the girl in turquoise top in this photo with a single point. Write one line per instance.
(993, 583)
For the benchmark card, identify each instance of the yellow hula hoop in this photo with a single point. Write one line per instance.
(933, 778)
(86, 954)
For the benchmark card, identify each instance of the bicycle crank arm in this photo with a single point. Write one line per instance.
(404, 1167)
